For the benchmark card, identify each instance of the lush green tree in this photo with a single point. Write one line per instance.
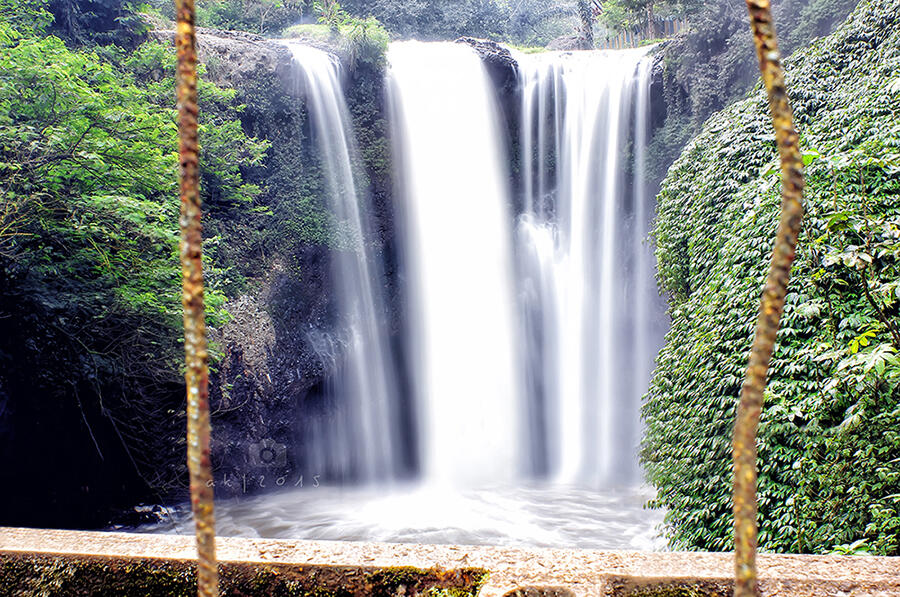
(89, 276)
(535, 22)
(713, 63)
(265, 17)
(586, 16)
(520, 21)
(620, 15)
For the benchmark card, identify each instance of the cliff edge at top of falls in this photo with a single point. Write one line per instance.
(236, 58)
(491, 52)
(498, 60)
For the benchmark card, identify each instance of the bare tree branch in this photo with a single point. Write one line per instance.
(772, 307)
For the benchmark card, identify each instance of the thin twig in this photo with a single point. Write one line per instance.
(196, 355)
(772, 307)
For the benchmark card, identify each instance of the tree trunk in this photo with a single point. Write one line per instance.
(585, 13)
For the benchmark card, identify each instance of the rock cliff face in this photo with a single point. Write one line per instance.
(712, 64)
(271, 368)
(503, 70)
(499, 61)
(235, 58)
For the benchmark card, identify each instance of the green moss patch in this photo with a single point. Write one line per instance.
(669, 588)
(25, 575)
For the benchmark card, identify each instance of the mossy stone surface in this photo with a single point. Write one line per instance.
(27, 575)
(670, 588)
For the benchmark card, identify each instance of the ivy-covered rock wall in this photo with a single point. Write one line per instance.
(829, 442)
(713, 64)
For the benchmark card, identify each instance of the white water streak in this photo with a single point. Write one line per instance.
(459, 243)
(579, 115)
(359, 441)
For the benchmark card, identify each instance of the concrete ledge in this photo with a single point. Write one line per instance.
(337, 568)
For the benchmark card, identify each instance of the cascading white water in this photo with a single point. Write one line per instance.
(357, 439)
(590, 299)
(650, 309)
(535, 363)
(454, 192)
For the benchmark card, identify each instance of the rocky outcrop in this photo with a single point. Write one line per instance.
(270, 368)
(663, 98)
(271, 371)
(502, 67)
(236, 58)
(503, 70)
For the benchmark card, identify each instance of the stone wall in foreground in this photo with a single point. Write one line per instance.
(50, 562)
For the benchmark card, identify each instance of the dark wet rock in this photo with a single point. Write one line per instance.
(503, 70)
(500, 63)
(491, 52)
(274, 368)
(658, 102)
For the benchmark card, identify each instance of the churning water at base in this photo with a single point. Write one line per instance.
(516, 516)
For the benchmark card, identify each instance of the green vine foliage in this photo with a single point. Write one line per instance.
(97, 22)
(829, 441)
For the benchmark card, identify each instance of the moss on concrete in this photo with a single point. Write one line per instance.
(27, 575)
(626, 587)
(541, 592)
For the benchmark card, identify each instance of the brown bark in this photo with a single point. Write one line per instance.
(586, 15)
(772, 307)
(651, 22)
(195, 344)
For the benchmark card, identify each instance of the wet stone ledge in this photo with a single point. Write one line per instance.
(53, 562)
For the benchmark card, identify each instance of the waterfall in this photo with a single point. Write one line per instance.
(357, 438)
(531, 316)
(589, 296)
(534, 331)
(454, 193)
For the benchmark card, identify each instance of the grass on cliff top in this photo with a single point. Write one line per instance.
(309, 31)
(528, 49)
(359, 40)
